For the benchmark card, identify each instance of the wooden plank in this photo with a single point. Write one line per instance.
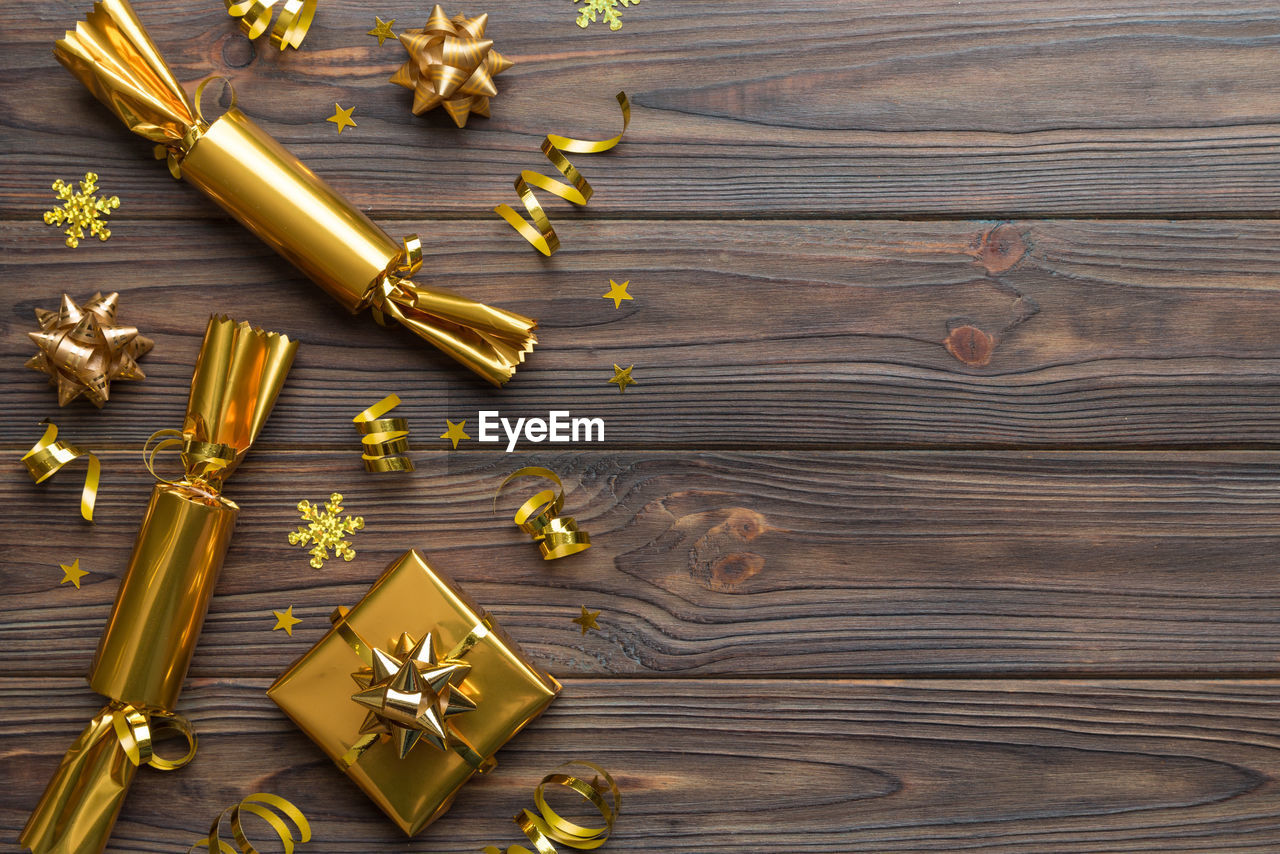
(758, 766)
(777, 334)
(826, 107)
(706, 564)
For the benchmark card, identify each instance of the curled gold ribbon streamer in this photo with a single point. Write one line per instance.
(547, 826)
(541, 235)
(557, 536)
(134, 729)
(272, 809)
(48, 456)
(291, 27)
(385, 440)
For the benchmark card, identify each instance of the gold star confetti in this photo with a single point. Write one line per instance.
(82, 349)
(82, 210)
(587, 620)
(72, 573)
(285, 620)
(382, 30)
(618, 293)
(608, 8)
(327, 528)
(455, 433)
(622, 378)
(341, 117)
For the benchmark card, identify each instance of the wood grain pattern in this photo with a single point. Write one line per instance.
(743, 765)
(943, 518)
(816, 334)
(719, 564)
(813, 107)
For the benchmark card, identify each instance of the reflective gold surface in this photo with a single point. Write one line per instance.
(546, 826)
(279, 199)
(151, 635)
(47, 457)
(540, 234)
(557, 536)
(409, 597)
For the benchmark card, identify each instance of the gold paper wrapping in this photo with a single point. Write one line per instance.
(275, 196)
(146, 648)
(151, 634)
(410, 597)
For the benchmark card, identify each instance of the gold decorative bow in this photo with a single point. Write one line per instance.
(291, 27)
(411, 692)
(557, 536)
(83, 350)
(451, 65)
(540, 234)
(385, 440)
(547, 826)
(48, 455)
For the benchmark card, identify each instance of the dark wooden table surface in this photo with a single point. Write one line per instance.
(944, 516)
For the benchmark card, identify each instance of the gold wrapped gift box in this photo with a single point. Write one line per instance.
(507, 689)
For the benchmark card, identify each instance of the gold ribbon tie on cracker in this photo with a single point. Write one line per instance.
(268, 190)
(557, 536)
(540, 234)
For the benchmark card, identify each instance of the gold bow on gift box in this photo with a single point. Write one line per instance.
(242, 168)
(410, 692)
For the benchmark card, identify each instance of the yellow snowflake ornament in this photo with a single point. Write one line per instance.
(326, 528)
(82, 210)
(590, 11)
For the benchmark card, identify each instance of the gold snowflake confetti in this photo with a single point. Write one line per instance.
(327, 529)
(82, 210)
(589, 12)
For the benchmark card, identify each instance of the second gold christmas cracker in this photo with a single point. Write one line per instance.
(145, 650)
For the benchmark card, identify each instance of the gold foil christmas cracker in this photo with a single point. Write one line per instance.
(252, 177)
(413, 691)
(145, 650)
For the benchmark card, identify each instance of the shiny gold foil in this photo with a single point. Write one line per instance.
(272, 809)
(275, 196)
(557, 536)
(410, 597)
(47, 457)
(385, 440)
(546, 826)
(291, 27)
(151, 635)
(144, 652)
(540, 234)
(81, 802)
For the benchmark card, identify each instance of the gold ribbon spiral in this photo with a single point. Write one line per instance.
(134, 729)
(291, 27)
(272, 809)
(557, 536)
(385, 440)
(48, 456)
(540, 234)
(547, 826)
